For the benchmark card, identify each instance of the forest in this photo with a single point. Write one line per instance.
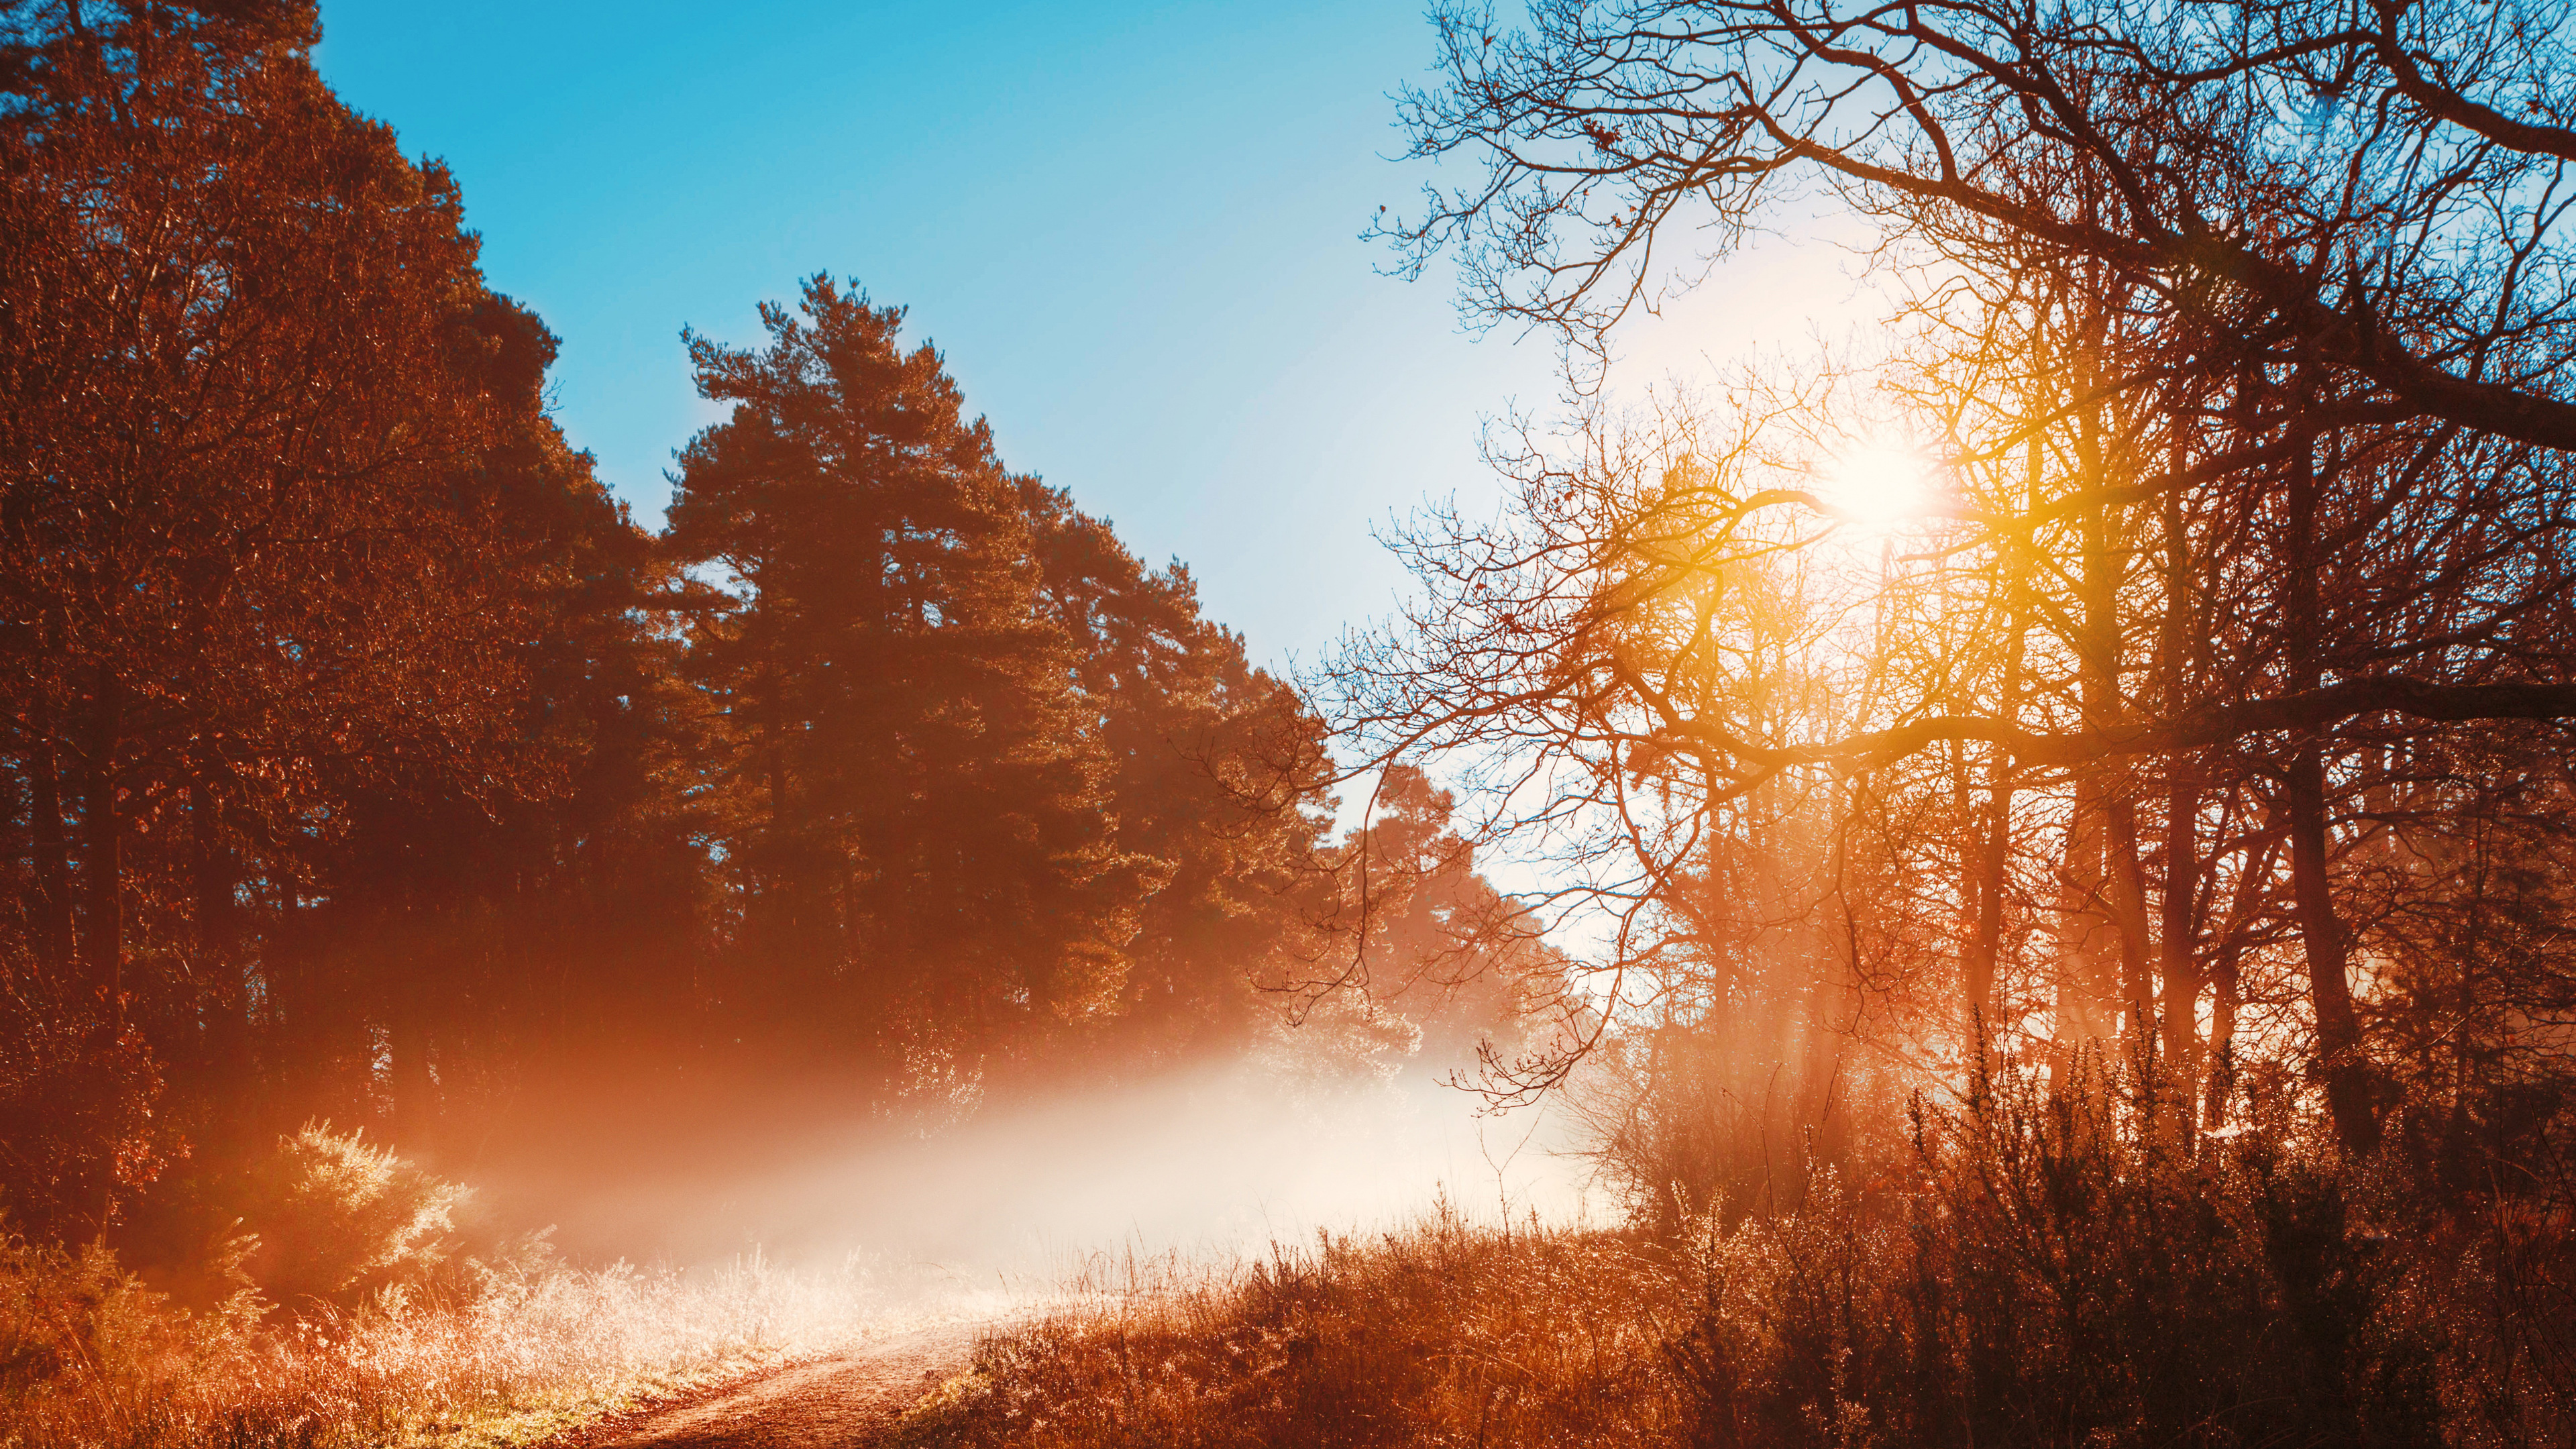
(368, 764)
(2034, 847)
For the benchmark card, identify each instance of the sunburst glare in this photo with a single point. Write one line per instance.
(1878, 487)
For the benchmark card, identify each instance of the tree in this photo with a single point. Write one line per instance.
(2285, 365)
(2276, 171)
(1218, 772)
(282, 513)
(923, 836)
(1592, 661)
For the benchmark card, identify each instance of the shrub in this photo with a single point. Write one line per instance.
(79, 1131)
(337, 1221)
(2055, 1271)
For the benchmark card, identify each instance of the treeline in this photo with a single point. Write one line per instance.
(365, 761)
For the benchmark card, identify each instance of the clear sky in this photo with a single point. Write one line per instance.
(1132, 230)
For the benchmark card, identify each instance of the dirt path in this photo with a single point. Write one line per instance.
(841, 1402)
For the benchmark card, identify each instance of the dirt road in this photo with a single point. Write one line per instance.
(846, 1401)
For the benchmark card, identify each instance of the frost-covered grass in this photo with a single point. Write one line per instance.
(91, 1357)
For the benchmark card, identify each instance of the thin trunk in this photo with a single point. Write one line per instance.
(1995, 857)
(2178, 962)
(1987, 949)
(2180, 966)
(218, 931)
(103, 869)
(2339, 1052)
(2082, 933)
(2102, 873)
(298, 1024)
(2221, 1084)
(775, 704)
(415, 1092)
(2128, 885)
(2253, 884)
(52, 923)
(1832, 1004)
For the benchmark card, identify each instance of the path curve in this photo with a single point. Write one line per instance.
(847, 1399)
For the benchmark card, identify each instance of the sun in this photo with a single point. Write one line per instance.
(1879, 487)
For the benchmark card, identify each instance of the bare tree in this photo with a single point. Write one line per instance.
(2272, 309)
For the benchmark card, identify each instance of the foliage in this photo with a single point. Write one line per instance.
(2199, 651)
(335, 1219)
(77, 1093)
(967, 744)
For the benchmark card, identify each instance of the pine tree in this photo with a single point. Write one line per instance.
(918, 823)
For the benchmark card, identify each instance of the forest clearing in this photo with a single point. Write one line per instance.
(1965, 839)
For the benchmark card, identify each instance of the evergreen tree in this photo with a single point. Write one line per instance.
(916, 799)
(1219, 771)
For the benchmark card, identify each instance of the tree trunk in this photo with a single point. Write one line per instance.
(1994, 854)
(2083, 933)
(2179, 966)
(2178, 962)
(218, 932)
(52, 923)
(306, 1069)
(1832, 1006)
(2221, 1083)
(2128, 887)
(103, 869)
(2339, 1054)
(2110, 874)
(2253, 884)
(415, 1092)
(1993, 865)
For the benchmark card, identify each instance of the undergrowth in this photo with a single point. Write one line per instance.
(91, 1357)
(2020, 1271)
(403, 1337)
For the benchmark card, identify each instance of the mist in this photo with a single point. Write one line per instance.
(1215, 1161)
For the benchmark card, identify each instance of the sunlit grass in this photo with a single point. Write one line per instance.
(94, 1359)
(2025, 1269)
(1445, 1332)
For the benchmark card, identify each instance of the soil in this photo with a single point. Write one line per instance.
(843, 1401)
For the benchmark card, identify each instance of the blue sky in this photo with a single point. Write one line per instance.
(1131, 229)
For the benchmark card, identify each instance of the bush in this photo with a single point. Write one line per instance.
(2053, 1270)
(80, 1133)
(337, 1221)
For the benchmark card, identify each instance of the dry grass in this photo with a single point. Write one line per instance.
(1446, 1333)
(396, 1328)
(2026, 1272)
(89, 1357)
